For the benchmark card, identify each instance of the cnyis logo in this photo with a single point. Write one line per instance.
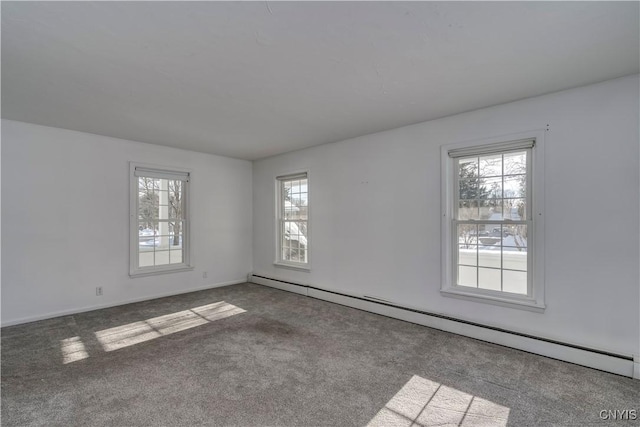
(618, 414)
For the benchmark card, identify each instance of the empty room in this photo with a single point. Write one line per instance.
(320, 213)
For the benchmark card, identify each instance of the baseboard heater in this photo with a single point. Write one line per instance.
(598, 359)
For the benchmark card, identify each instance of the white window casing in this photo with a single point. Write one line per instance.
(292, 221)
(493, 240)
(159, 220)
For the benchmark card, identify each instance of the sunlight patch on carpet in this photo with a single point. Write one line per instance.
(73, 349)
(137, 332)
(422, 402)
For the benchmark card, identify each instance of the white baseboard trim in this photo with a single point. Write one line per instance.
(567, 353)
(115, 304)
(296, 289)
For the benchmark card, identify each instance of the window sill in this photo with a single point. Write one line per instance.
(142, 273)
(528, 304)
(305, 268)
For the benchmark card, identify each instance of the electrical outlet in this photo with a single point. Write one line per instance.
(204, 275)
(99, 291)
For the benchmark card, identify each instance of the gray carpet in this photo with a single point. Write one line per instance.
(249, 355)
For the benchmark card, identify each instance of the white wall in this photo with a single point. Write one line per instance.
(65, 221)
(375, 203)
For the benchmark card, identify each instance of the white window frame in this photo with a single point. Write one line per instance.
(279, 226)
(534, 301)
(160, 172)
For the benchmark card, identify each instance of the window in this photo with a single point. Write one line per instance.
(293, 220)
(159, 220)
(491, 222)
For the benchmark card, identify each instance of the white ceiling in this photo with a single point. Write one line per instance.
(254, 79)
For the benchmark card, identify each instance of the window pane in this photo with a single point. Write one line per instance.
(515, 209)
(490, 188)
(513, 259)
(295, 188)
(294, 211)
(162, 241)
(489, 236)
(468, 209)
(303, 212)
(147, 199)
(146, 236)
(489, 258)
(515, 281)
(290, 211)
(147, 228)
(145, 259)
(175, 210)
(148, 184)
(467, 276)
(515, 186)
(468, 254)
(467, 234)
(175, 198)
(175, 256)
(295, 207)
(514, 250)
(515, 163)
(162, 257)
(468, 189)
(295, 239)
(286, 190)
(175, 241)
(491, 209)
(163, 200)
(163, 230)
(491, 165)
(515, 236)
(489, 278)
(468, 168)
(146, 247)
